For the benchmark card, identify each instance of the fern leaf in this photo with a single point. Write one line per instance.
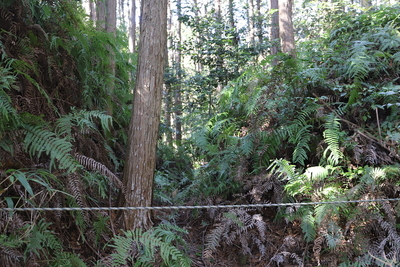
(332, 136)
(143, 246)
(41, 237)
(333, 235)
(246, 145)
(38, 140)
(301, 139)
(213, 239)
(92, 164)
(123, 246)
(308, 226)
(359, 64)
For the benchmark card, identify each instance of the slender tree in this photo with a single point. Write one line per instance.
(274, 37)
(178, 87)
(286, 31)
(258, 22)
(167, 98)
(250, 21)
(92, 8)
(233, 31)
(111, 28)
(101, 14)
(143, 131)
(196, 9)
(132, 27)
(219, 59)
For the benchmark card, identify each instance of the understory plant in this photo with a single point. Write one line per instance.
(162, 245)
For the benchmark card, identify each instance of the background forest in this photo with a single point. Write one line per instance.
(254, 112)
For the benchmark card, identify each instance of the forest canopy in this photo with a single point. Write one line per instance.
(263, 102)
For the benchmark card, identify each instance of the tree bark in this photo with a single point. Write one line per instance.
(199, 66)
(101, 15)
(167, 88)
(178, 87)
(132, 27)
(258, 23)
(111, 28)
(274, 37)
(92, 8)
(234, 34)
(286, 31)
(250, 22)
(143, 134)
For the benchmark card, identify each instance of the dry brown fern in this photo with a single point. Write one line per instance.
(94, 165)
(234, 225)
(76, 188)
(10, 257)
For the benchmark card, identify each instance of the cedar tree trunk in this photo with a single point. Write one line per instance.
(141, 155)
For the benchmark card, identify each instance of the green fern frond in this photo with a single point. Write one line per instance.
(297, 183)
(333, 235)
(200, 139)
(315, 76)
(396, 58)
(84, 120)
(38, 140)
(317, 173)
(253, 102)
(267, 146)
(308, 226)
(67, 259)
(323, 211)
(142, 246)
(246, 145)
(284, 169)
(360, 62)
(301, 139)
(332, 135)
(9, 119)
(387, 38)
(41, 238)
(123, 246)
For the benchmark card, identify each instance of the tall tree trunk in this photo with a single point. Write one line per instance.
(234, 34)
(101, 15)
(92, 8)
(250, 21)
(219, 59)
(167, 114)
(111, 28)
(274, 37)
(199, 66)
(167, 88)
(286, 31)
(143, 130)
(132, 27)
(178, 87)
(258, 22)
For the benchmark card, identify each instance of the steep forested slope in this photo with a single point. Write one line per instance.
(57, 145)
(321, 127)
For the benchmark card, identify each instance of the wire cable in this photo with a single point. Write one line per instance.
(201, 206)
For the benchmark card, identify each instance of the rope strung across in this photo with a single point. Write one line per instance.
(203, 207)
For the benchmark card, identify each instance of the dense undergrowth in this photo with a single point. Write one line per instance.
(322, 127)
